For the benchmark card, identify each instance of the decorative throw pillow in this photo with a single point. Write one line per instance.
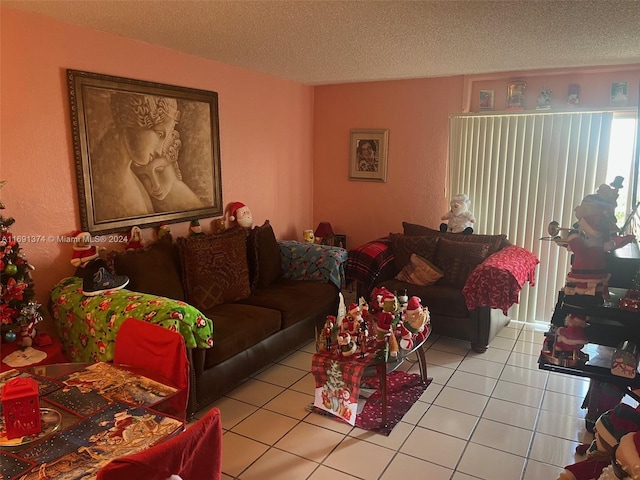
(495, 242)
(265, 266)
(214, 268)
(155, 269)
(420, 271)
(458, 259)
(403, 246)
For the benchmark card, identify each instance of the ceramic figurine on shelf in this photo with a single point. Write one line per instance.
(326, 336)
(134, 239)
(346, 345)
(363, 337)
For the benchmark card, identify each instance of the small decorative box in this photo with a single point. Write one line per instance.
(624, 362)
(631, 301)
(21, 407)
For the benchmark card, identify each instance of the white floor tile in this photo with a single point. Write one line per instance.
(298, 441)
(326, 473)
(239, 452)
(538, 471)
(567, 384)
(281, 375)
(394, 441)
(480, 366)
(299, 359)
(472, 382)
(525, 376)
(449, 422)
(511, 413)
(530, 348)
(404, 466)
(516, 393)
(462, 401)
(265, 426)
(553, 450)
(565, 404)
(255, 392)
(305, 385)
(560, 425)
(270, 465)
(502, 343)
(359, 458)
(291, 403)
(434, 447)
(490, 464)
(452, 345)
(502, 437)
(491, 355)
(233, 411)
(443, 358)
(524, 360)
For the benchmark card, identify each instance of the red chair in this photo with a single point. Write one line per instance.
(159, 350)
(195, 454)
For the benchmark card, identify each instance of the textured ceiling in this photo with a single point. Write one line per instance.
(323, 42)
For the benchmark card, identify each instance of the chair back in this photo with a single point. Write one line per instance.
(195, 454)
(156, 349)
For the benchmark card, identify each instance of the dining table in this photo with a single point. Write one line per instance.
(90, 413)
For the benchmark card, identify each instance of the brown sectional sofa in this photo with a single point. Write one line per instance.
(378, 263)
(237, 280)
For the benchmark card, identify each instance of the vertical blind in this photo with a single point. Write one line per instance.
(521, 171)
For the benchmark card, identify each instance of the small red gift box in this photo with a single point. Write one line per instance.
(21, 407)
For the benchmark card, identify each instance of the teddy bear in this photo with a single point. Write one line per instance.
(459, 218)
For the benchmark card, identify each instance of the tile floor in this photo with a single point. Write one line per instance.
(491, 416)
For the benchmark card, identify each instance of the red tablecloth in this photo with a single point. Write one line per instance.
(497, 281)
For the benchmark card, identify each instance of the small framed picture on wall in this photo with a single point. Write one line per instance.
(619, 93)
(515, 95)
(486, 99)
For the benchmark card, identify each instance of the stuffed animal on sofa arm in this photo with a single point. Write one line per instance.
(459, 218)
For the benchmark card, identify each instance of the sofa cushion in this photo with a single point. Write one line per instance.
(265, 266)
(295, 299)
(239, 327)
(155, 269)
(441, 300)
(214, 268)
(458, 259)
(495, 242)
(403, 246)
(420, 271)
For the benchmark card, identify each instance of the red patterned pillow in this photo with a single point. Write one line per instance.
(215, 269)
(458, 259)
(403, 246)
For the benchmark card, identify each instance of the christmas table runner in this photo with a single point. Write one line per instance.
(338, 382)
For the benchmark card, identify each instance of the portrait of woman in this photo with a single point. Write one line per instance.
(367, 151)
(162, 180)
(145, 153)
(140, 129)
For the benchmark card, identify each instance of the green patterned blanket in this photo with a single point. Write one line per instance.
(87, 326)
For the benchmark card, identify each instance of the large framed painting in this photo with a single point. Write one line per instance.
(145, 153)
(368, 160)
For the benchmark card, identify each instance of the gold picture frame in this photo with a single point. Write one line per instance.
(368, 155)
(145, 153)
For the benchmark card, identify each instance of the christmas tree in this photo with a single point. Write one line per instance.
(18, 310)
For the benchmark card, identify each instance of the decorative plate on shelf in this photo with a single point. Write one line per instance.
(50, 420)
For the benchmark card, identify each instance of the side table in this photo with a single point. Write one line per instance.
(54, 354)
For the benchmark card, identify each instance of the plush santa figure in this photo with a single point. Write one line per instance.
(459, 218)
(594, 235)
(239, 214)
(83, 251)
(417, 316)
(351, 322)
(346, 344)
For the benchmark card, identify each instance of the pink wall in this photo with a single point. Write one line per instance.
(416, 114)
(265, 127)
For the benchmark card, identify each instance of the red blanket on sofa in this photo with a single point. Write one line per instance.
(497, 282)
